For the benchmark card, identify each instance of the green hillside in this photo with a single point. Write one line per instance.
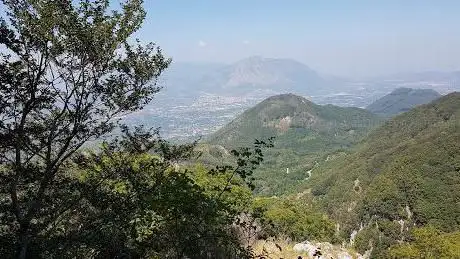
(405, 172)
(305, 133)
(402, 100)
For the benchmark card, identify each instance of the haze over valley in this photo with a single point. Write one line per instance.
(200, 98)
(229, 129)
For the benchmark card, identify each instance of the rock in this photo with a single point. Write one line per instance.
(344, 255)
(356, 187)
(352, 237)
(366, 255)
(305, 247)
(401, 223)
(327, 250)
(409, 213)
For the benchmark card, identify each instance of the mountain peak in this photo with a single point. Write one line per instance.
(412, 91)
(257, 72)
(257, 59)
(253, 58)
(286, 114)
(401, 100)
(288, 98)
(285, 102)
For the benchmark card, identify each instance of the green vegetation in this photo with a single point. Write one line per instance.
(403, 174)
(402, 100)
(138, 200)
(139, 205)
(406, 170)
(68, 72)
(306, 134)
(428, 242)
(293, 218)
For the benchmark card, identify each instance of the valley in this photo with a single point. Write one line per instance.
(336, 155)
(379, 180)
(359, 168)
(352, 156)
(229, 129)
(190, 106)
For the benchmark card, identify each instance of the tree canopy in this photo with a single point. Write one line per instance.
(68, 71)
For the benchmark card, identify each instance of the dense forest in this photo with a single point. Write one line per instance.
(397, 181)
(305, 133)
(78, 183)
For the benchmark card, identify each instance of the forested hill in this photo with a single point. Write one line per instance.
(292, 116)
(305, 132)
(406, 173)
(402, 100)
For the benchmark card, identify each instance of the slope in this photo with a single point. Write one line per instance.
(304, 133)
(402, 100)
(405, 173)
(255, 73)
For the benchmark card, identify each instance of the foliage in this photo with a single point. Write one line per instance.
(149, 207)
(401, 100)
(133, 198)
(68, 72)
(238, 195)
(406, 170)
(305, 134)
(377, 236)
(292, 218)
(428, 242)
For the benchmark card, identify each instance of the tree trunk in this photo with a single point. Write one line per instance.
(23, 243)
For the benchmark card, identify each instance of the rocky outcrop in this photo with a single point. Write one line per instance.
(325, 250)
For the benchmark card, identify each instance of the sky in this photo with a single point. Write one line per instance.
(350, 38)
(340, 37)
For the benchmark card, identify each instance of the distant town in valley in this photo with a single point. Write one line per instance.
(185, 110)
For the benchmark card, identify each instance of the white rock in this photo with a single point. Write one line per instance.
(327, 250)
(344, 255)
(305, 247)
(409, 213)
(352, 237)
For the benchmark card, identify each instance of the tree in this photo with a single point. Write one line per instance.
(428, 242)
(68, 71)
(135, 201)
(293, 218)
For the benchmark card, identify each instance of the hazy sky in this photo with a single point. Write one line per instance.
(352, 38)
(341, 37)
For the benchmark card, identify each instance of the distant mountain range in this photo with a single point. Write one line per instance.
(281, 75)
(401, 100)
(199, 98)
